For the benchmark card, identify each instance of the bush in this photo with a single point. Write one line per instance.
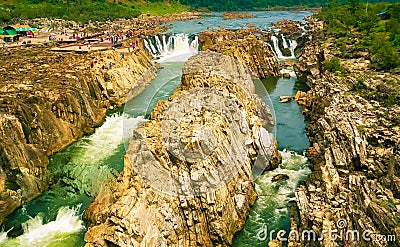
(333, 65)
(385, 55)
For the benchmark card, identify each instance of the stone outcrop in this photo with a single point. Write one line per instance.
(355, 181)
(49, 100)
(289, 28)
(248, 46)
(187, 178)
(236, 15)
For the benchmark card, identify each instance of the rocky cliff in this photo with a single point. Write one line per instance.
(47, 101)
(247, 45)
(354, 133)
(187, 178)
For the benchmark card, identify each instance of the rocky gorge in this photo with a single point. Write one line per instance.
(354, 133)
(169, 193)
(49, 100)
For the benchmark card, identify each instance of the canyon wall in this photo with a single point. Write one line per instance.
(355, 181)
(49, 100)
(187, 178)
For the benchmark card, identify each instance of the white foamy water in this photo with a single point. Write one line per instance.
(290, 71)
(286, 43)
(271, 206)
(89, 168)
(175, 48)
(37, 233)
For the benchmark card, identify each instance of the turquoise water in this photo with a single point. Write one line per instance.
(54, 219)
(270, 210)
(262, 20)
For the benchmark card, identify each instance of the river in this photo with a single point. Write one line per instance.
(55, 218)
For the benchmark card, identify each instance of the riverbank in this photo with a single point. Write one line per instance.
(354, 133)
(49, 100)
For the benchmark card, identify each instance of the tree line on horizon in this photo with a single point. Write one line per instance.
(99, 10)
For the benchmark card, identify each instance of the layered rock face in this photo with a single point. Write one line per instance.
(187, 178)
(248, 46)
(355, 181)
(47, 101)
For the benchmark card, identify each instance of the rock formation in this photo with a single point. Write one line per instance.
(236, 15)
(355, 181)
(289, 28)
(49, 100)
(248, 46)
(187, 178)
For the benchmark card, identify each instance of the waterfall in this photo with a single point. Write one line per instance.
(173, 46)
(158, 43)
(293, 45)
(276, 47)
(286, 43)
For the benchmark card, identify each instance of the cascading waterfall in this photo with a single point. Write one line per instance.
(276, 47)
(286, 43)
(175, 45)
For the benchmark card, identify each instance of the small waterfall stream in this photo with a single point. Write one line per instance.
(286, 44)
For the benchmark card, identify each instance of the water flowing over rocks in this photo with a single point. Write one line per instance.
(209, 131)
(247, 45)
(355, 181)
(49, 100)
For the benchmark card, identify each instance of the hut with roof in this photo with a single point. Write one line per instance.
(25, 30)
(9, 34)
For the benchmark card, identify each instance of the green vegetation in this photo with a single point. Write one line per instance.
(224, 5)
(80, 10)
(334, 65)
(364, 27)
(84, 10)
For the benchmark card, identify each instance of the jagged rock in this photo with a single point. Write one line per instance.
(289, 27)
(44, 111)
(354, 150)
(246, 45)
(280, 177)
(210, 123)
(285, 99)
(302, 98)
(288, 63)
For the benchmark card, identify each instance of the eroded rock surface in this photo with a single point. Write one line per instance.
(355, 181)
(247, 45)
(187, 178)
(47, 101)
